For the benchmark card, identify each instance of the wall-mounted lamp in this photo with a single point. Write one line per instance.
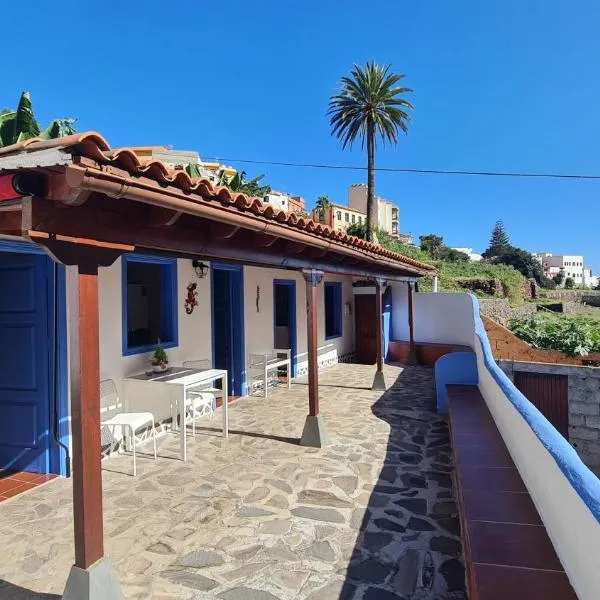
(200, 268)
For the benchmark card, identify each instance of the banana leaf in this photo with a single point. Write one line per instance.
(26, 126)
(8, 119)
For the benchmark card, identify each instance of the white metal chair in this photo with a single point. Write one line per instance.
(201, 399)
(263, 368)
(112, 416)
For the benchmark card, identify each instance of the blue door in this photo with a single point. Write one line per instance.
(228, 324)
(284, 318)
(24, 363)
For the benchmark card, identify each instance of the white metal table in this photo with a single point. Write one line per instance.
(150, 392)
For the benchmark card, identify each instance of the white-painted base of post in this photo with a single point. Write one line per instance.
(98, 582)
(379, 382)
(314, 433)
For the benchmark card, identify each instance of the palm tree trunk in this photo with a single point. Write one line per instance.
(372, 208)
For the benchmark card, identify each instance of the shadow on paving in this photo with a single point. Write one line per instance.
(9, 591)
(409, 543)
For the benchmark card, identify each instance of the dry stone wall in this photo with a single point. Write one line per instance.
(502, 312)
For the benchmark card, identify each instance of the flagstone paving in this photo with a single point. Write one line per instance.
(258, 517)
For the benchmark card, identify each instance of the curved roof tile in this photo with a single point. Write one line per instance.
(94, 146)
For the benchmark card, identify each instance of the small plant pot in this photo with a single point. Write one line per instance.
(160, 368)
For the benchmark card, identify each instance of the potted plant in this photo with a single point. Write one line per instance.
(159, 359)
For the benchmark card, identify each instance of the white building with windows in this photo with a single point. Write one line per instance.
(570, 265)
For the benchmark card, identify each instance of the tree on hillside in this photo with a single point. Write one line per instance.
(499, 242)
(432, 244)
(359, 230)
(452, 255)
(522, 261)
(569, 283)
(369, 105)
(20, 124)
(558, 279)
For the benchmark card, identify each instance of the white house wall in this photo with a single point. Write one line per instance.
(194, 329)
(259, 332)
(195, 333)
(452, 324)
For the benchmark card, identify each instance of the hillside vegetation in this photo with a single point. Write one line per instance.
(452, 277)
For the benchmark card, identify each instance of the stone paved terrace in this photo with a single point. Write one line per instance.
(258, 517)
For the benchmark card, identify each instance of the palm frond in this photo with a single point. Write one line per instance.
(370, 94)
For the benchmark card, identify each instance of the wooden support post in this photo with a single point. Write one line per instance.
(85, 418)
(92, 577)
(314, 430)
(379, 380)
(412, 355)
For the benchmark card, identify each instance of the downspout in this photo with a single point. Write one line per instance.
(55, 415)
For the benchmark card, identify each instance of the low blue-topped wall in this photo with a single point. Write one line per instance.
(566, 493)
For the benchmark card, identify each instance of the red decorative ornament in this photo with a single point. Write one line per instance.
(191, 300)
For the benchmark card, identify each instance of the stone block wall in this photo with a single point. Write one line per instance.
(490, 287)
(502, 312)
(584, 404)
(591, 297)
(507, 346)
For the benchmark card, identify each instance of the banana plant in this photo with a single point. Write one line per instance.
(238, 183)
(20, 124)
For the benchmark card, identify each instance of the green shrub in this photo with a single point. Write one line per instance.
(575, 336)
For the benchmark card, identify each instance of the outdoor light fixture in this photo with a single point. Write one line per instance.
(13, 187)
(200, 268)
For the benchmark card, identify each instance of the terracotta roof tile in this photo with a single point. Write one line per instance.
(95, 147)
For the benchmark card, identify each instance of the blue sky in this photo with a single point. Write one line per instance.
(509, 86)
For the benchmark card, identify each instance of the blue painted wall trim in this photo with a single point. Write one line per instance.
(22, 247)
(293, 319)
(387, 322)
(169, 299)
(336, 286)
(585, 483)
(58, 458)
(456, 367)
(238, 342)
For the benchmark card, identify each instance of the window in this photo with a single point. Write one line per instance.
(149, 303)
(354, 218)
(333, 310)
(338, 215)
(346, 217)
(360, 220)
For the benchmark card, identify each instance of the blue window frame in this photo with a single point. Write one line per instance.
(333, 310)
(149, 301)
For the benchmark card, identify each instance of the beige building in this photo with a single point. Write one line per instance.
(341, 217)
(389, 215)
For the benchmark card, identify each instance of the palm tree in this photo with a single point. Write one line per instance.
(19, 125)
(370, 105)
(323, 204)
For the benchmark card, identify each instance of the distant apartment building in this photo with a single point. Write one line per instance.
(473, 256)
(589, 279)
(341, 217)
(570, 266)
(389, 215)
(296, 204)
(277, 200)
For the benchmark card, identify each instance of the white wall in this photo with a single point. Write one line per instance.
(444, 318)
(194, 329)
(259, 323)
(195, 332)
(573, 529)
